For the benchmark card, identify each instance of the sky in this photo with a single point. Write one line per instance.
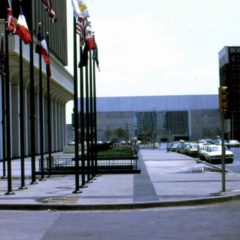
(160, 47)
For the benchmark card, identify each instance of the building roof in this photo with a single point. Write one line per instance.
(157, 103)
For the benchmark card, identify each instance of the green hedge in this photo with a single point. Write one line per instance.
(117, 152)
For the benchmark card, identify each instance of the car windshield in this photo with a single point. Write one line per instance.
(214, 149)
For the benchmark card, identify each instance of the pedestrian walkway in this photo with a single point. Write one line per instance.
(166, 179)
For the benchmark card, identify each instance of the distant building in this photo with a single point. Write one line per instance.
(160, 118)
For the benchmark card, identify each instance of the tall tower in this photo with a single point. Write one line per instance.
(229, 71)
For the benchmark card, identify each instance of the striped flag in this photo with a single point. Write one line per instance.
(47, 4)
(10, 19)
(42, 48)
(22, 28)
(81, 26)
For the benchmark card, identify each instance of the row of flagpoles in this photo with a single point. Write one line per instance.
(88, 54)
(20, 27)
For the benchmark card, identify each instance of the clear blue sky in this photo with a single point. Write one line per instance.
(160, 47)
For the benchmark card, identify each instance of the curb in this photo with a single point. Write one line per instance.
(129, 206)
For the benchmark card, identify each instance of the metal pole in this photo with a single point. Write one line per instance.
(87, 123)
(8, 124)
(75, 79)
(95, 114)
(49, 117)
(91, 114)
(22, 138)
(82, 123)
(32, 101)
(223, 155)
(41, 110)
(3, 116)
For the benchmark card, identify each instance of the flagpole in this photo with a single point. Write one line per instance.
(22, 152)
(3, 116)
(49, 115)
(40, 108)
(91, 113)
(82, 123)
(76, 114)
(32, 101)
(95, 114)
(8, 124)
(87, 121)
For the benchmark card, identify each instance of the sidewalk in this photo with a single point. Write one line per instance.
(166, 179)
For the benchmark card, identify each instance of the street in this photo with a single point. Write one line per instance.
(208, 222)
(235, 166)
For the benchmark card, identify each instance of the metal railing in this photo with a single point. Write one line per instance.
(66, 164)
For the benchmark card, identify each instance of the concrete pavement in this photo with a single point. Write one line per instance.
(166, 179)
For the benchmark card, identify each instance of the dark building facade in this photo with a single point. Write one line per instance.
(57, 32)
(229, 71)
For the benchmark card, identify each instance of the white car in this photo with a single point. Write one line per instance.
(233, 143)
(213, 154)
(201, 150)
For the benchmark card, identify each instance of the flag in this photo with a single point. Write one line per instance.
(95, 58)
(22, 28)
(80, 8)
(42, 48)
(81, 26)
(83, 58)
(10, 20)
(2, 58)
(90, 42)
(47, 4)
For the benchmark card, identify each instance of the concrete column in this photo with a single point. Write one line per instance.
(59, 127)
(28, 124)
(54, 126)
(1, 119)
(45, 122)
(15, 119)
(26, 120)
(37, 136)
(63, 125)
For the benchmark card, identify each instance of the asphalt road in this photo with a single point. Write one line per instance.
(210, 222)
(235, 166)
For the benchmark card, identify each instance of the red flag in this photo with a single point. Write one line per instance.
(90, 42)
(10, 19)
(22, 28)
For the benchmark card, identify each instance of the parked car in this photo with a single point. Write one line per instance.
(201, 150)
(192, 149)
(172, 147)
(213, 154)
(233, 143)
